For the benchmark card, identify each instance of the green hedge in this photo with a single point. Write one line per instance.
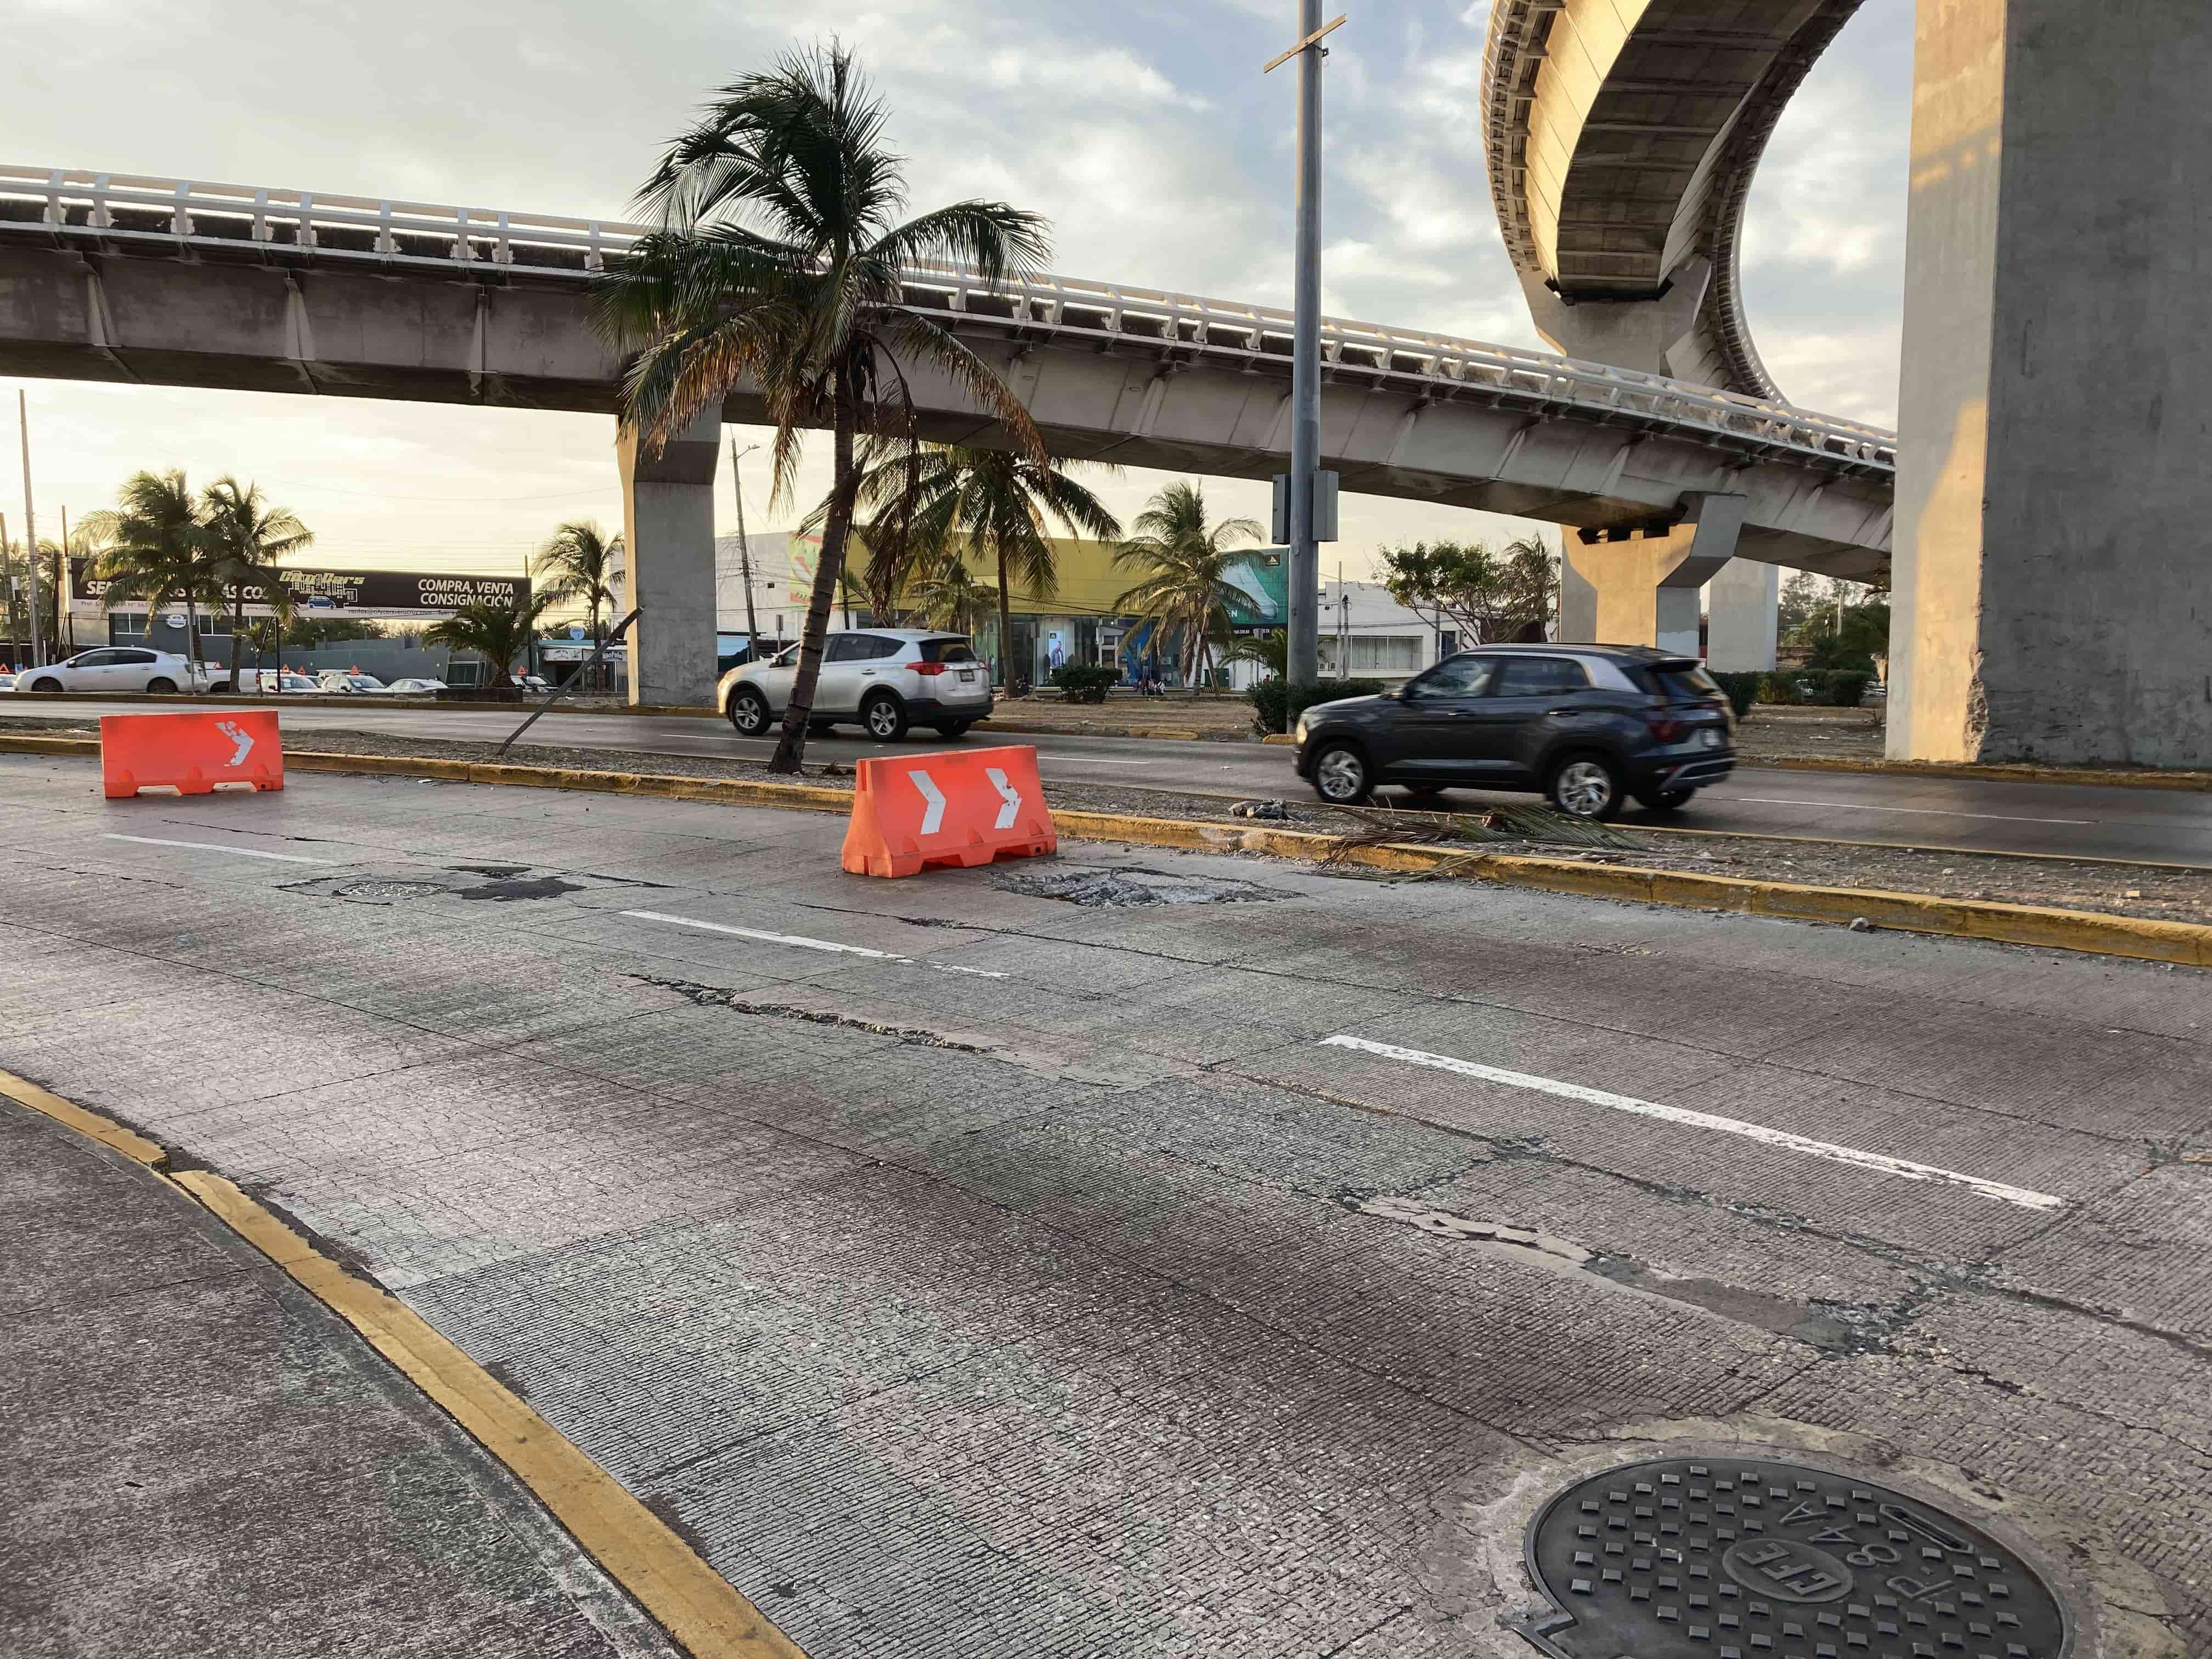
(1277, 705)
(1743, 690)
(1828, 687)
(1080, 683)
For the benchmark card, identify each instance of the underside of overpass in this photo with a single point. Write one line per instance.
(1622, 136)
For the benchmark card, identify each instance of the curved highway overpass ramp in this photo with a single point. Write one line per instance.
(173, 282)
(1621, 137)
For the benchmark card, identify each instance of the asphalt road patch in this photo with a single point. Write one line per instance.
(1685, 1557)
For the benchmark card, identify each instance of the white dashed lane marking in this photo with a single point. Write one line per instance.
(211, 847)
(1881, 1164)
(799, 941)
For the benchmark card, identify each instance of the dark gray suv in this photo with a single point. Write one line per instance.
(1586, 725)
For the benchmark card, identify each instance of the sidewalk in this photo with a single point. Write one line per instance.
(199, 1459)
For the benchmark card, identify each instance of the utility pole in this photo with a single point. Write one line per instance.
(744, 549)
(65, 593)
(1304, 646)
(30, 533)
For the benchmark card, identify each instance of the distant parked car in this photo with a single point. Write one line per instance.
(885, 678)
(416, 687)
(119, 668)
(7, 682)
(340, 682)
(1586, 725)
(291, 682)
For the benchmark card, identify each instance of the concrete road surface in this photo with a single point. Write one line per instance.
(974, 1267)
(201, 1459)
(2159, 826)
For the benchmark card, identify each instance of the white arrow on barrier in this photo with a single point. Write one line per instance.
(932, 819)
(238, 735)
(1006, 794)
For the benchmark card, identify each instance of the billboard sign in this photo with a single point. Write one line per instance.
(1263, 584)
(400, 593)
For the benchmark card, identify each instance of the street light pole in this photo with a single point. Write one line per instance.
(30, 534)
(1304, 653)
(744, 548)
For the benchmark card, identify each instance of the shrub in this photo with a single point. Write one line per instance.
(1832, 688)
(1743, 690)
(1277, 705)
(1078, 682)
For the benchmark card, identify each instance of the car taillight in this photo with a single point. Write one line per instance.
(1664, 727)
(926, 667)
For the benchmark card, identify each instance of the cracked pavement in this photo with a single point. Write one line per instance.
(1084, 1301)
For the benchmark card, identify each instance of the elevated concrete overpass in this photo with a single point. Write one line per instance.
(172, 283)
(1622, 136)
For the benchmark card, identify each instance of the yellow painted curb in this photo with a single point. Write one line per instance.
(132, 1145)
(693, 1602)
(1283, 739)
(2189, 943)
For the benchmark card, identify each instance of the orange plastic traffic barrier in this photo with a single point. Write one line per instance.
(189, 754)
(959, 808)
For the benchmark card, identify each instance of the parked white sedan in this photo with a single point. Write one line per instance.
(119, 668)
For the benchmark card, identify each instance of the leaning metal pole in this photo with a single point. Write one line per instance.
(1303, 662)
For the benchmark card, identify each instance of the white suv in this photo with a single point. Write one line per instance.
(885, 678)
(119, 668)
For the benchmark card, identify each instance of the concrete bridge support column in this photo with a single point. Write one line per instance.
(668, 527)
(1643, 589)
(2053, 569)
(1742, 613)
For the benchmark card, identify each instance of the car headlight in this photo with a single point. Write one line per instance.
(1305, 724)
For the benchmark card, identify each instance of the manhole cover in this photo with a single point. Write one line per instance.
(386, 892)
(1760, 1560)
(1125, 888)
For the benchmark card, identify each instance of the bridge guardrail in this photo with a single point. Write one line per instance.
(77, 206)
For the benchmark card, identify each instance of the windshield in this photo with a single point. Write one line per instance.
(946, 651)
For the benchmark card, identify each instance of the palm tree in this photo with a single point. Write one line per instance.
(266, 636)
(500, 634)
(582, 562)
(250, 535)
(1270, 650)
(158, 549)
(780, 263)
(1185, 594)
(999, 502)
(943, 593)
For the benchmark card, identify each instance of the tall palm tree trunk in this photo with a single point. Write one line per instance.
(837, 524)
(1005, 621)
(237, 627)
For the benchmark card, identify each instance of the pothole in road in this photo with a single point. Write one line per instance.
(1130, 887)
(506, 884)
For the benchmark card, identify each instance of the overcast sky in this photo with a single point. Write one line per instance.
(1141, 127)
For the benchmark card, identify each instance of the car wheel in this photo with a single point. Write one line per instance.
(1339, 774)
(953, 731)
(1664, 800)
(49, 683)
(1584, 786)
(748, 712)
(160, 686)
(885, 716)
